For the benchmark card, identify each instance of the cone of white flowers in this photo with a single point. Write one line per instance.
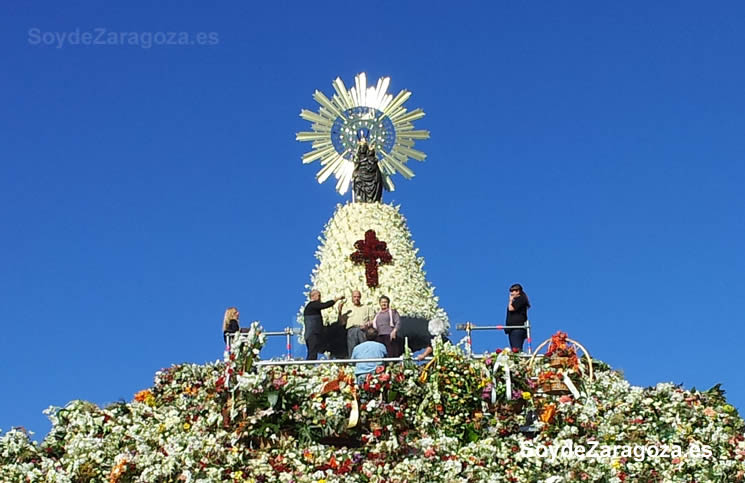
(403, 280)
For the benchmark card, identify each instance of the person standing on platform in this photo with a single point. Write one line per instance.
(314, 323)
(388, 323)
(517, 314)
(230, 324)
(354, 318)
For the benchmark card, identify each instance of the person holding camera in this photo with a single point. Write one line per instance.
(517, 314)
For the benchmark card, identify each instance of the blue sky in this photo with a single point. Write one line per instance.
(592, 151)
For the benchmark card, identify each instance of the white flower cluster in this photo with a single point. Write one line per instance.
(404, 280)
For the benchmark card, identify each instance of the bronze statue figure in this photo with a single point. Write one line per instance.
(367, 177)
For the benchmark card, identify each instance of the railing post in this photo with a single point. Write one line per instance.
(469, 341)
(288, 333)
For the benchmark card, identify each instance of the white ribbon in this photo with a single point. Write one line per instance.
(503, 360)
(571, 386)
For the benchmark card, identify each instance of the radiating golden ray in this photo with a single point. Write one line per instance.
(335, 129)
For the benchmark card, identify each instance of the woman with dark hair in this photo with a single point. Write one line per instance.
(517, 314)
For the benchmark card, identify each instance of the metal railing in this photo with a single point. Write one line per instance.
(470, 327)
(288, 332)
(302, 362)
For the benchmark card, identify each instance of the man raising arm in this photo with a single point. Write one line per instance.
(314, 323)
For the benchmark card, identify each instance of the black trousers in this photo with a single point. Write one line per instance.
(332, 339)
(313, 342)
(313, 336)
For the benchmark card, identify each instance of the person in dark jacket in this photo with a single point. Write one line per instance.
(230, 323)
(517, 314)
(314, 323)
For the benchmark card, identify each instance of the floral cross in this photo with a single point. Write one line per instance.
(371, 252)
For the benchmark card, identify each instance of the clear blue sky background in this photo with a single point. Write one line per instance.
(592, 151)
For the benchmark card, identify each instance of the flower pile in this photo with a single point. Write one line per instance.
(451, 420)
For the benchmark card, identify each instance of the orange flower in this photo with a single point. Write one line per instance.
(191, 390)
(118, 470)
(145, 396)
(307, 455)
(547, 376)
(142, 395)
(559, 346)
(548, 414)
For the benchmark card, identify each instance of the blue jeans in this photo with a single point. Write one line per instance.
(355, 336)
(517, 338)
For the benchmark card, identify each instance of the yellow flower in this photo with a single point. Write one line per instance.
(187, 426)
(616, 464)
(526, 395)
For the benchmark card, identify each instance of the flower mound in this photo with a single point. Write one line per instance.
(456, 419)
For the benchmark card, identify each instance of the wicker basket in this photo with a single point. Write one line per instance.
(559, 361)
(555, 388)
(586, 359)
(512, 407)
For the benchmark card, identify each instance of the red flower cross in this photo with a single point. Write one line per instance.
(372, 252)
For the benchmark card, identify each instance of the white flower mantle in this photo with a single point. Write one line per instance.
(404, 280)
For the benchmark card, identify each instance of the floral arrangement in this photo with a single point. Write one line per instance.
(549, 376)
(234, 420)
(509, 385)
(559, 346)
(563, 353)
(403, 280)
(371, 252)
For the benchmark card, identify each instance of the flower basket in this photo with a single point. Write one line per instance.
(555, 388)
(563, 358)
